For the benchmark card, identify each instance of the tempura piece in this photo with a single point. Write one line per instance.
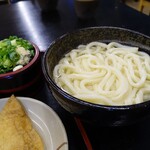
(16, 130)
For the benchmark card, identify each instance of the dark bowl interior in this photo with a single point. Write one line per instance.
(18, 81)
(94, 113)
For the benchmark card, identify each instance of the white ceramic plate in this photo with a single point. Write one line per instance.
(46, 122)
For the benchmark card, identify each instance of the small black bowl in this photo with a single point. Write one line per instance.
(21, 82)
(95, 113)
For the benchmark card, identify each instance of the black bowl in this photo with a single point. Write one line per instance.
(21, 82)
(95, 113)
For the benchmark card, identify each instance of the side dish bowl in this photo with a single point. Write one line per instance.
(89, 112)
(21, 80)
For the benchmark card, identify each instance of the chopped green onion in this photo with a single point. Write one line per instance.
(9, 57)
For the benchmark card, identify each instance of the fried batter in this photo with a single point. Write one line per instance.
(16, 130)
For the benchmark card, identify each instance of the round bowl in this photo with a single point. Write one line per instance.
(21, 81)
(95, 113)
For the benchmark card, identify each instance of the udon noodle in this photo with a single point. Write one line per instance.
(108, 74)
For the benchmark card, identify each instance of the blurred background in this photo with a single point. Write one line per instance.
(140, 5)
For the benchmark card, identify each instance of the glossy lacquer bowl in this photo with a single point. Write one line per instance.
(95, 113)
(21, 82)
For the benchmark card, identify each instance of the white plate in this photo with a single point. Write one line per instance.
(46, 122)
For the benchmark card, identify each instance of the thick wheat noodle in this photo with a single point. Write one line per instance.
(108, 74)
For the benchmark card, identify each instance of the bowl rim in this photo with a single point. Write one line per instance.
(33, 60)
(82, 102)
